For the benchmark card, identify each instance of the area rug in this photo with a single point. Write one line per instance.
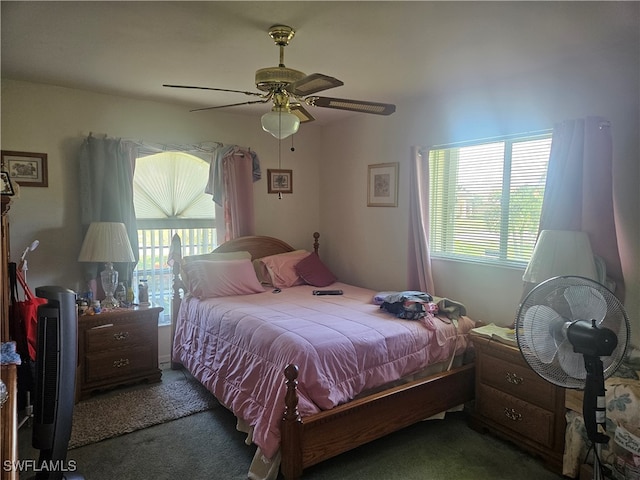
(97, 419)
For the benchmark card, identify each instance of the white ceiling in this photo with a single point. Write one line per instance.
(382, 51)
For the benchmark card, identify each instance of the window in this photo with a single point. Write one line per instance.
(169, 198)
(485, 199)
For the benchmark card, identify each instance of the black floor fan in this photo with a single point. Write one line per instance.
(56, 360)
(574, 333)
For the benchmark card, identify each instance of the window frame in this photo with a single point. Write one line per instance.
(449, 181)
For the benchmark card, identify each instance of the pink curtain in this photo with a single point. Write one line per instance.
(419, 269)
(579, 189)
(237, 199)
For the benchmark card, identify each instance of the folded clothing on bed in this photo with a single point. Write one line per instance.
(413, 304)
(409, 305)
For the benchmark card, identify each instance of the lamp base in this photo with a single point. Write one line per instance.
(109, 277)
(109, 302)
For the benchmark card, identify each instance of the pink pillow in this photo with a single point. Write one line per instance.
(281, 268)
(221, 278)
(314, 272)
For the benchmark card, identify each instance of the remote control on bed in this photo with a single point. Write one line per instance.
(327, 292)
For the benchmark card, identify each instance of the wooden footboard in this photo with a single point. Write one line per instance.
(324, 435)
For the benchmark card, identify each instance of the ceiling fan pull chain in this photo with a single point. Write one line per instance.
(280, 145)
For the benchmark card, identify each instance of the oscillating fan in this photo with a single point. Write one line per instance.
(574, 333)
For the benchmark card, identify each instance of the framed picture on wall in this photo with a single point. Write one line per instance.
(5, 184)
(382, 187)
(25, 168)
(279, 181)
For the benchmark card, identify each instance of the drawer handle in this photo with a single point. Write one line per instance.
(514, 378)
(120, 335)
(512, 414)
(123, 362)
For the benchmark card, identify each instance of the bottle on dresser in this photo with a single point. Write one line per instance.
(143, 292)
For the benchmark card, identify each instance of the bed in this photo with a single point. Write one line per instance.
(305, 374)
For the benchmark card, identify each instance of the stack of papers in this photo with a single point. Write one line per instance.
(500, 334)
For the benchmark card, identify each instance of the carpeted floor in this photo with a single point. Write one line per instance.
(206, 446)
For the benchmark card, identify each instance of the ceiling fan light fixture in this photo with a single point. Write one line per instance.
(280, 123)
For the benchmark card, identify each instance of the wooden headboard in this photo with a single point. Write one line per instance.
(260, 246)
(257, 246)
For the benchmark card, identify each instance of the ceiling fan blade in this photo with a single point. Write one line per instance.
(216, 89)
(351, 105)
(301, 112)
(316, 82)
(230, 105)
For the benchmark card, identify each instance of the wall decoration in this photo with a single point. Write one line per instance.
(382, 189)
(279, 181)
(25, 168)
(5, 184)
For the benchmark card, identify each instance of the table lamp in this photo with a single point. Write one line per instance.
(558, 253)
(107, 242)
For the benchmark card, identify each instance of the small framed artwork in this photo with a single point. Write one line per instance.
(5, 184)
(25, 168)
(280, 181)
(382, 189)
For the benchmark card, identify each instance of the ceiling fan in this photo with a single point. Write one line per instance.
(290, 89)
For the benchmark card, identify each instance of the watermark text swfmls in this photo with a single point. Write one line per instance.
(33, 466)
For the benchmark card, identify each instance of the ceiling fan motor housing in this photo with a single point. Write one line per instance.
(271, 78)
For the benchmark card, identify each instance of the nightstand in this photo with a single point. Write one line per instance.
(515, 403)
(117, 347)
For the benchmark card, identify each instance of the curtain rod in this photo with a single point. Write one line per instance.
(207, 146)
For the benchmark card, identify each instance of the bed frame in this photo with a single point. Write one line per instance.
(312, 439)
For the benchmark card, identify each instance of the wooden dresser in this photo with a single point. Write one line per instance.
(117, 347)
(515, 403)
(8, 420)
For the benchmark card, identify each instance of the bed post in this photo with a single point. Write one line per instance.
(176, 257)
(316, 244)
(291, 441)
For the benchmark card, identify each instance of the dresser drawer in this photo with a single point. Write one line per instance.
(117, 336)
(119, 363)
(517, 380)
(518, 415)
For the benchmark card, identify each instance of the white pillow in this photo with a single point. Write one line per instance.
(221, 278)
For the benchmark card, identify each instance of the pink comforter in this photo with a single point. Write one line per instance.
(343, 345)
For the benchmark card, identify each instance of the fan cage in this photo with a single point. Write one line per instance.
(535, 337)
